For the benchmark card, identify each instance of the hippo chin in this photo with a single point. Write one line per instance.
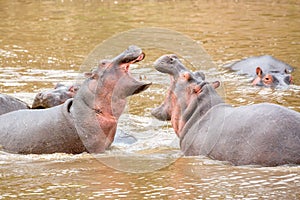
(85, 123)
(266, 70)
(260, 134)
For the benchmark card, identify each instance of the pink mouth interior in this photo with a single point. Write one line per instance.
(127, 65)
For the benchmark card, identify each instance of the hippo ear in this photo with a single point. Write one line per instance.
(259, 71)
(197, 89)
(186, 76)
(216, 84)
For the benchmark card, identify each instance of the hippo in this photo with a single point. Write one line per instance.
(9, 103)
(85, 123)
(266, 70)
(54, 97)
(60, 93)
(260, 134)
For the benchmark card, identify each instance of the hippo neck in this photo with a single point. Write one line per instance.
(199, 107)
(94, 137)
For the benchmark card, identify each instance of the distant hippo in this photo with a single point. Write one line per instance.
(9, 103)
(266, 70)
(54, 97)
(86, 123)
(260, 134)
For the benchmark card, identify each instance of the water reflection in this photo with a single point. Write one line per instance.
(82, 176)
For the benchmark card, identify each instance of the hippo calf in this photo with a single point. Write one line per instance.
(266, 70)
(86, 123)
(260, 134)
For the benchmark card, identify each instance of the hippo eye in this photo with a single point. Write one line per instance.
(267, 78)
(98, 111)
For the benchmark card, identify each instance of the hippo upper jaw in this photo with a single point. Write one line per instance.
(131, 55)
(127, 85)
(170, 64)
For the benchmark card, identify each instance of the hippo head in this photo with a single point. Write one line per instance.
(112, 82)
(54, 97)
(103, 95)
(272, 78)
(182, 96)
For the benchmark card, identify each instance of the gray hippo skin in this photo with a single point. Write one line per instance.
(266, 70)
(86, 123)
(54, 97)
(260, 134)
(9, 104)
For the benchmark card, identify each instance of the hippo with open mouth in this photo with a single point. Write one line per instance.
(260, 134)
(85, 123)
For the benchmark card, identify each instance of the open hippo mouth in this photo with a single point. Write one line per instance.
(115, 73)
(131, 55)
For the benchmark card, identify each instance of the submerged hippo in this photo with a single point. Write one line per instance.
(9, 103)
(261, 134)
(54, 97)
(266, 70)
(86, 123)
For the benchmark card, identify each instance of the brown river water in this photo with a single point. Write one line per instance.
(46, 42)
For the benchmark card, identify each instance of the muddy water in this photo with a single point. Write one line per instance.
(46, 42)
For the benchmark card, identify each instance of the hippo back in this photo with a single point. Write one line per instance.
(267, 63)
(40, 131)
(9, 104)
(264, 134)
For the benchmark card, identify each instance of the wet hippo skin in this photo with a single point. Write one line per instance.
(260, 134)
(266, 70)
(54, 97)
(86, 123)
(9, 104)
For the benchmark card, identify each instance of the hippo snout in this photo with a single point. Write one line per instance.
(169, 64)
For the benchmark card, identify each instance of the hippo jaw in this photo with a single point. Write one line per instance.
(104, 96)
(182, 96)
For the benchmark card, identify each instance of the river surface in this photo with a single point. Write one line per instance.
(46, 42)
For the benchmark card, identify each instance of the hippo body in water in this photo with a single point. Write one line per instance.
(45, 99)
(260, 134)
(86, 123)
(266, 70)
(9, 104)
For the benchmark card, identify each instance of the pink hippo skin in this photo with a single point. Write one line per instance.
(86, 123)
(260, 134)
